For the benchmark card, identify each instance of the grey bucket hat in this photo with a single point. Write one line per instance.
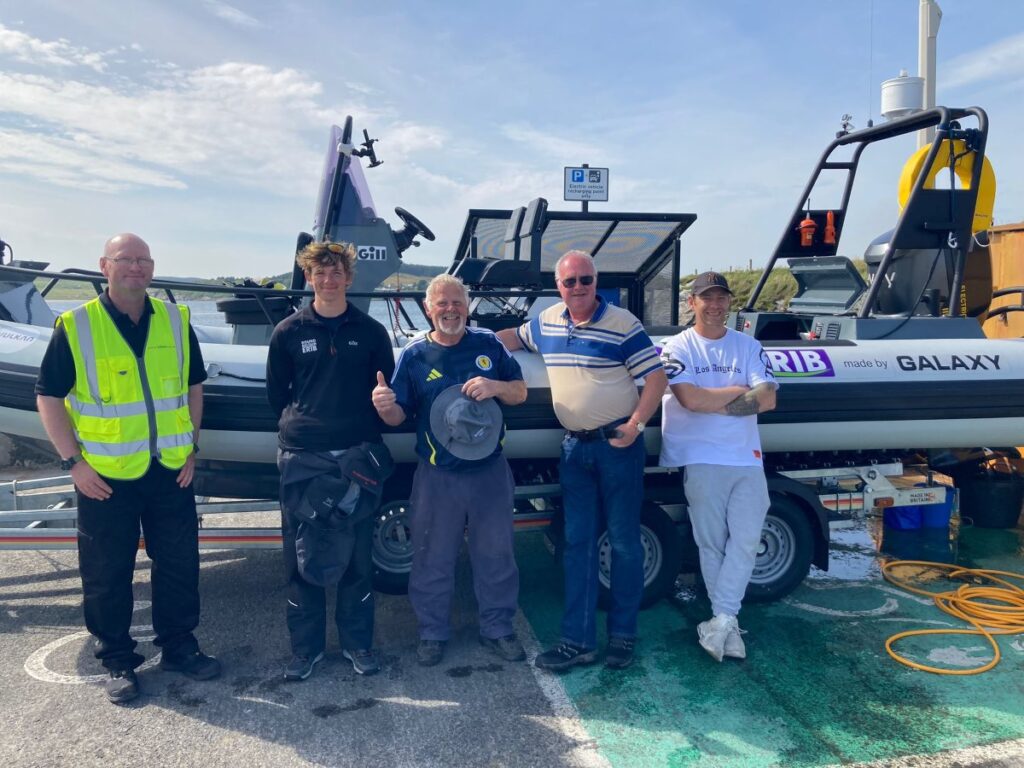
(466, 428)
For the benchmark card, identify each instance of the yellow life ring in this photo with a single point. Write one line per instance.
(964, 168)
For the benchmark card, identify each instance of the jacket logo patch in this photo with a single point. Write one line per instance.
(483, 362)
(434, 375)
(308, 345)
(353, 343)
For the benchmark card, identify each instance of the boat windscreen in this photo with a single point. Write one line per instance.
(352, 204)
(621, 243)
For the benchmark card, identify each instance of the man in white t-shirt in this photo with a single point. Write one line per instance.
(719, 381)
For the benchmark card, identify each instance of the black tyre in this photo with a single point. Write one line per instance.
(784, 556)
(392, 548)
(663, 552)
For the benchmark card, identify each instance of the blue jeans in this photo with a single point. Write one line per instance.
(601, 484)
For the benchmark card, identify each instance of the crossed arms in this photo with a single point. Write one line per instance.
(735, 400)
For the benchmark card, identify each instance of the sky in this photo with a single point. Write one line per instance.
(201, 125)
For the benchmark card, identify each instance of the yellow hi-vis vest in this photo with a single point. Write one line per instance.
(127, 410)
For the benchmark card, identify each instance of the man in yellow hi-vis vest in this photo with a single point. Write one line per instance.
(120, 395)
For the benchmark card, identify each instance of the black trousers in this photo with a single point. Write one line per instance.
(108, 541)
(307, 603)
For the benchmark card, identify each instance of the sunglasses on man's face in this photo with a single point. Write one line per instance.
(570, 282)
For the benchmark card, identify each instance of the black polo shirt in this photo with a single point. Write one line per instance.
(57, 371)
(320, 375)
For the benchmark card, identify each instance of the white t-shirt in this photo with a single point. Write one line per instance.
(711, 438)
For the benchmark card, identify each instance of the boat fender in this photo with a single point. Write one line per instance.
(964, 167)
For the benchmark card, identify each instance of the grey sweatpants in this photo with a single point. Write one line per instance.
(727, 510)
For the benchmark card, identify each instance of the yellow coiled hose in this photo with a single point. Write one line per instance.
(989, 603)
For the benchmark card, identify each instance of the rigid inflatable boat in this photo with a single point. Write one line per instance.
(866, 364)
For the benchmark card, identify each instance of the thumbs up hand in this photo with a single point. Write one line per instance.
(383, 396)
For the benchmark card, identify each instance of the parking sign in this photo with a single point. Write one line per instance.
(586, 184)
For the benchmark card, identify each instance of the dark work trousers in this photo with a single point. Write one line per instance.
(444, 503)
(307, 603)
(108, 541)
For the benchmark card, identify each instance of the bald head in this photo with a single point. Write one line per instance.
(126, 245)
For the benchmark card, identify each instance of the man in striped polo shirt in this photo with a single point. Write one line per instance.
(594, 353)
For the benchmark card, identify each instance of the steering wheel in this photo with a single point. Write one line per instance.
(415, 225)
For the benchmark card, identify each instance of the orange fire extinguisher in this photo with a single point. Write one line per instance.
(807, 229)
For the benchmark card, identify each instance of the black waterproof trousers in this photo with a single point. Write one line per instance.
(307, 603)
(108, 541)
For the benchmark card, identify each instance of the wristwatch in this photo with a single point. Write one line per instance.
(68, 463)
(640, 426)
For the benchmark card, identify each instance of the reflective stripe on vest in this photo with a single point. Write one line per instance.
(126, 410)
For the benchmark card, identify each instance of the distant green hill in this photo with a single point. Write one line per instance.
(414, 277)
(776, 294)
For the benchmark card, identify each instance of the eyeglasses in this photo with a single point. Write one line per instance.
(570, 282)
(133, 262)
(335, 248)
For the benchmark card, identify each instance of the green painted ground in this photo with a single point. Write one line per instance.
(817, 687)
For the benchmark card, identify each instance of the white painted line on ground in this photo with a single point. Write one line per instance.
(888, 606)
(567, 718)
(1006, 753)
(35, 664)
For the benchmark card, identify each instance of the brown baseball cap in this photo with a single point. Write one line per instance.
(707, 280)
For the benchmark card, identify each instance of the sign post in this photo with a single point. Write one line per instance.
(584, 183)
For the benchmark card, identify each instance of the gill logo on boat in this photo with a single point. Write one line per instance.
(372, 253)
(800, 363)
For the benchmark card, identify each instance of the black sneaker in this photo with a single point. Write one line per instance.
(620, 652)
(430, 652)
(122, 686)
(508, 647)
(565, 655)
(364, 661)
(197, 666)
(301, 667)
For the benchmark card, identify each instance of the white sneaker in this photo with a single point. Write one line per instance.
(713, 633)
(734, 647)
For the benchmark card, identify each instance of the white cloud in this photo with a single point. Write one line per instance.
(231, 14)
(75, 162)
(1002, 60)
(30, 50)
(562, 149)
(234, 122)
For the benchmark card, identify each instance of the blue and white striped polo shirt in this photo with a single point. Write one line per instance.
(592, 366)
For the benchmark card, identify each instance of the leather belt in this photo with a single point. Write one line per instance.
(607, 432)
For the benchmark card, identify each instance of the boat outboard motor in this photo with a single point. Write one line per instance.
(919, 280)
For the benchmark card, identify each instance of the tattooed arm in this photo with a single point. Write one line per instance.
(757, 400)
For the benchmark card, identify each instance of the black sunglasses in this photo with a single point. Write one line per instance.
(570, 282)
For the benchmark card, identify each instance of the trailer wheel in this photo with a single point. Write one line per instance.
(784, 555)
(392, 548)
(663, 552)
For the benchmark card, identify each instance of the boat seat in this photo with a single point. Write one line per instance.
(471, 270)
